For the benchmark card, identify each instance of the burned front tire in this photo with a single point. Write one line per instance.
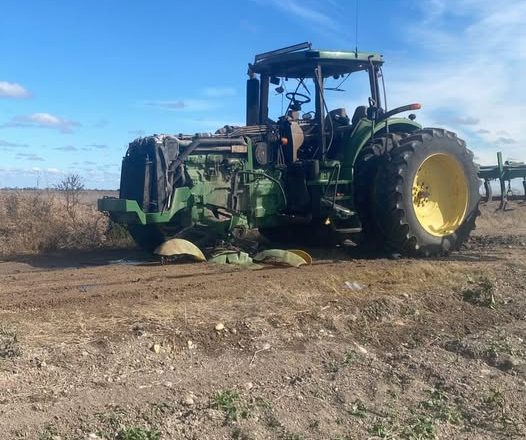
(426, 194)
(147, 237)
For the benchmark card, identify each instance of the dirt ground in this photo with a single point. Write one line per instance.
(106, 345)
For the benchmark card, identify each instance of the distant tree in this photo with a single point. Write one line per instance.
(71, 187)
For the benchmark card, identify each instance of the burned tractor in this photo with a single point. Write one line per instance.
(303, 168)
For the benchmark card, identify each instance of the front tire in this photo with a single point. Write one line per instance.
(146, 237)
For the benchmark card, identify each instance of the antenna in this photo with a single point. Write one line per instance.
(356, 28)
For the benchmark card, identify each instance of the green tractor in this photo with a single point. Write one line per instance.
(303, 168)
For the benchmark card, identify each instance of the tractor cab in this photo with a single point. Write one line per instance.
(294, 84)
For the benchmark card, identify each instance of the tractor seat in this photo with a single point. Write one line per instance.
(338, 116)
(359, 113)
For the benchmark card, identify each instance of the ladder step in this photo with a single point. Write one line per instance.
(349, 230)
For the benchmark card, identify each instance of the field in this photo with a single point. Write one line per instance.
(104, 343)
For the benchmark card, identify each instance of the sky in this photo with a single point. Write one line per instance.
(80, 80)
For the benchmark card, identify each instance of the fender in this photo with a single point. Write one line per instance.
(364, 132)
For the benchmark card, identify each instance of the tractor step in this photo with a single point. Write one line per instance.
(348, 230)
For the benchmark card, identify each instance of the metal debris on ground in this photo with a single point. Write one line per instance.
(282, 257)
(232, 257)
(178, 247)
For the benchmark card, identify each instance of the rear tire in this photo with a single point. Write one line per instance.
(426, 194)
(366, 169)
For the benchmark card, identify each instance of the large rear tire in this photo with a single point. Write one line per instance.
(426, 194)
(366, 169)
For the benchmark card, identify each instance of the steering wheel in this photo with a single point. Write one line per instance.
(293, 98)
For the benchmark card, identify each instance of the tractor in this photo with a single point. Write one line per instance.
(304, 167)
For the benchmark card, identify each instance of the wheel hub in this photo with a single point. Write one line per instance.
(440, 194)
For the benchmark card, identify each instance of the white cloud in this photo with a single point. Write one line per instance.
(30, 156)
(312, 13)
(183, 104)
(305, 11)
(13, 90)
(219, 92)
(66, 148)
(7, 144)
(29, 177)
(470, 77)
(43, 120)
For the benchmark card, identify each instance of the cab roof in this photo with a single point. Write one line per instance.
(299, 61)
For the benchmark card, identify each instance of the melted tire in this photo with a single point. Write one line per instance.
(392, 206)
(147, 237)
(366, 169)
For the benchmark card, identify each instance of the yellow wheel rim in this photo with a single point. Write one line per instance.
(440, 194)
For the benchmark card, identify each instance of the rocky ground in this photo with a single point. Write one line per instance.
(348, 348)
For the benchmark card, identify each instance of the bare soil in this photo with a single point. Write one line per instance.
(111, 345)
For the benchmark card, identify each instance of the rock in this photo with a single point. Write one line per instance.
(360, 349)
(249, 386)
(234, 331)
(353, 285)
(188, 400)
(93, 436)
(190, 345)
(220, 326)
(156, 348)
(215, 414)
(265, 346)
(168, 384)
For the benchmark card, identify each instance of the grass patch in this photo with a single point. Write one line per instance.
(138, 433)
(481, 293)
(503, 344)
(358, 409)
(420, 428)
(383, 430)
(438, 407)
(229, 402)
(9, 347)
(349, 358)
(48, 433)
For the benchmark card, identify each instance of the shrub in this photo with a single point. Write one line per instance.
(42, 221)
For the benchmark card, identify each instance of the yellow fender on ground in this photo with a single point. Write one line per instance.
(178, 246)
(302, 254)
(280, 256)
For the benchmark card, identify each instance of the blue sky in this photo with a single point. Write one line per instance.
(79, 80)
